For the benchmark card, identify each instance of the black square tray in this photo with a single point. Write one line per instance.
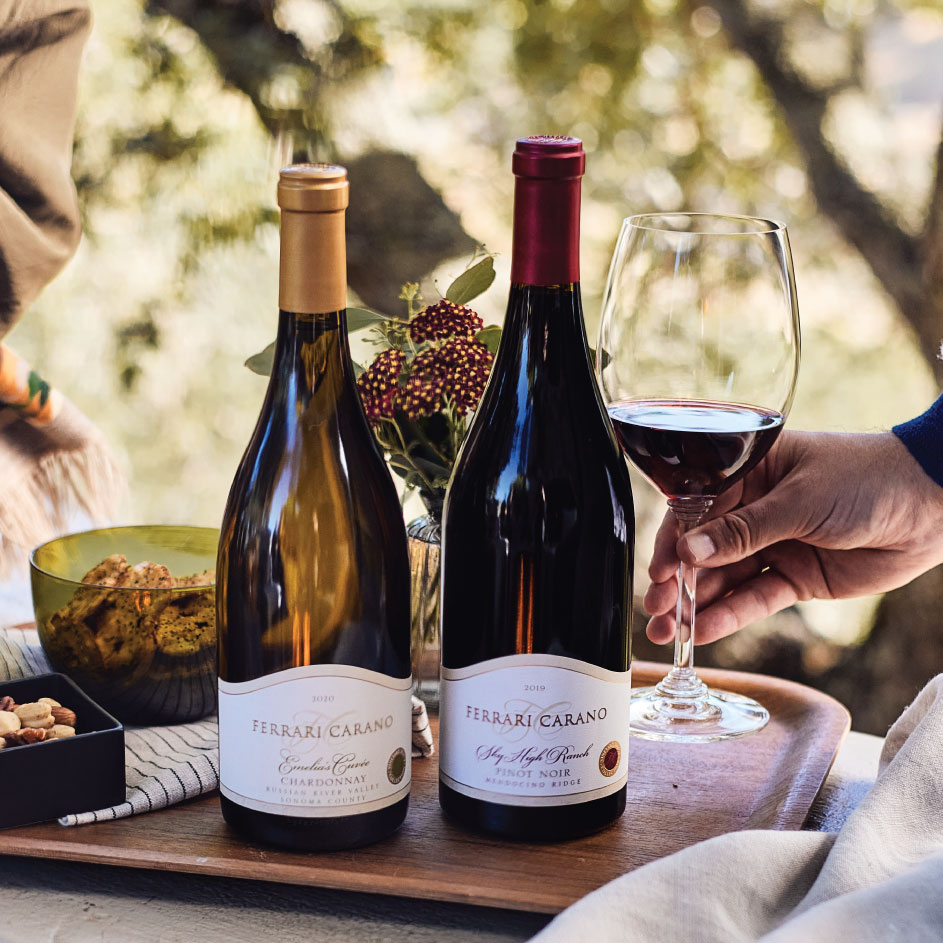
(76, 774)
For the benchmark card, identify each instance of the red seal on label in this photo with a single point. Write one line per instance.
(609, 758)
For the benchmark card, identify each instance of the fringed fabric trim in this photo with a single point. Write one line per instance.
(41, 504)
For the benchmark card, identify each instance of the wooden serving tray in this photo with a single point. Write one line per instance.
(678, 795)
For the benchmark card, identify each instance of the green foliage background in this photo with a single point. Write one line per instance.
(181, 131)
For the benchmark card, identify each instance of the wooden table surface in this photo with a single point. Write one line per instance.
(71, 902)
(678, 794)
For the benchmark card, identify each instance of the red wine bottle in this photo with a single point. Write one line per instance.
(694, 448)
(312, 588)
(538, 537)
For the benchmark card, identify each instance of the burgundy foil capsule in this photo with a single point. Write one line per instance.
(546, 246)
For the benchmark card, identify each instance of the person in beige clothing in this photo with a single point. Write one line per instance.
(53, 461)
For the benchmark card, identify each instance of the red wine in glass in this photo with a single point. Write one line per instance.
(694, 448)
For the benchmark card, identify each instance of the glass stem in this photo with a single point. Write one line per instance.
(682, 682)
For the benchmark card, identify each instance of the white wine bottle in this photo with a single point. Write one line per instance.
(312, 575)
(538, 539)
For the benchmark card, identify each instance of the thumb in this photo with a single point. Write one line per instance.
(739, 534)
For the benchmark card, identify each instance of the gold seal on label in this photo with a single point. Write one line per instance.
(609, 758)
(396, 766)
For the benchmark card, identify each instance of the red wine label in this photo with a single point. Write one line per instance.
(320, 740)
(534, 730)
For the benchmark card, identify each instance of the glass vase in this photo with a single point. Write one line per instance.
(423, 537)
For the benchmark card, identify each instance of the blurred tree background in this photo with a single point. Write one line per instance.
(823, 113)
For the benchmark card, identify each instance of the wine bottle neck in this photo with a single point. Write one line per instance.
(312, 359)
(544, 320)
(313, 261)
(543, 325)
(546, 246)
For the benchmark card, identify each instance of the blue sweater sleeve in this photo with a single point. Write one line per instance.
(923, 436)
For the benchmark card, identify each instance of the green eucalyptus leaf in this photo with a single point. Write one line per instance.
(262, 362)
(490, 336)
(359, 369)
(359, 318)
(472, 282)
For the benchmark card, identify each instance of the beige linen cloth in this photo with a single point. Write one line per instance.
(53, 461)
(878, 880)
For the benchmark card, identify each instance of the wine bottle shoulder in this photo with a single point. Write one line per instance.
(316, 473)
(313, 563)
(553, 437)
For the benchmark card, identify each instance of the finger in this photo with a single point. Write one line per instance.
(756, 599)
(661, 597)
(665, 555)
(661, 629)
(714, 583)
(744, 531)
(727, 501)
(711, 585)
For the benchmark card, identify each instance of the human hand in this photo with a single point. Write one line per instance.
(823, 516)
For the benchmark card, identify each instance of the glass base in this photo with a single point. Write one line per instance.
(718, 715)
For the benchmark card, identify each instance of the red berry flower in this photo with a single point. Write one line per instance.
(453, 367)
(379, 384)
(444, 319)
(467, 363)
(425, 388)
(458, 370)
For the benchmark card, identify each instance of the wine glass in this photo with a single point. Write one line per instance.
(698, 357)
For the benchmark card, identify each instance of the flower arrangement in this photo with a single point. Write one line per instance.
(428, 377)
(420, 389)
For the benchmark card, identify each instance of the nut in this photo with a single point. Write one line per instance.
(17, 738)
(35, 715)
(8, 722)
(63, 716)
(59, 731)
(49, 701)
(7, 703)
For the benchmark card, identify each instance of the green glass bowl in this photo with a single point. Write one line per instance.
(147, 655)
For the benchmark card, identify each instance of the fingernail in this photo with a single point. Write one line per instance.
(701, 546)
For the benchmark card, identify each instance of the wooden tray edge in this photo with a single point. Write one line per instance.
(818, 750)
(422, 887)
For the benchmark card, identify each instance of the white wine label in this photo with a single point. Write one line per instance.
(534, 730)
(315, 741)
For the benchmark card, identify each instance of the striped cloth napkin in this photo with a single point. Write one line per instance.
(163, 765)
